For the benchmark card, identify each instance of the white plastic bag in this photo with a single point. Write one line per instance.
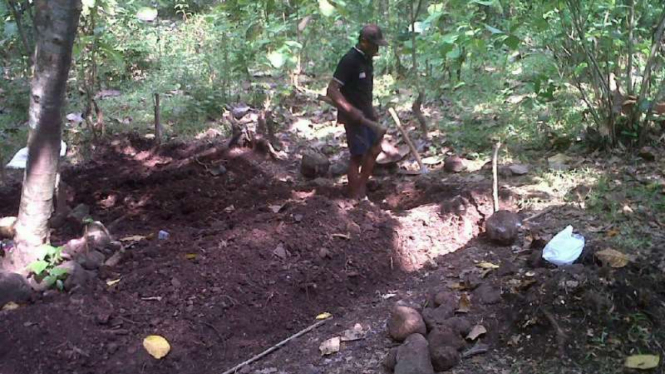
(564, 248)
(20, 159)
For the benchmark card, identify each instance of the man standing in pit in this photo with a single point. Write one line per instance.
(351, 92)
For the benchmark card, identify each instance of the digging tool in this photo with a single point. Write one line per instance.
(414, 151)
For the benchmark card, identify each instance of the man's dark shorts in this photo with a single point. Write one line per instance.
(360, 139)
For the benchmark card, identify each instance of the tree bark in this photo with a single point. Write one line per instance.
(56, 23)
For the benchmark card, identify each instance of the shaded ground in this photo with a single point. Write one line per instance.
(255, 253)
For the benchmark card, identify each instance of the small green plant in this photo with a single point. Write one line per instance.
(46, 268)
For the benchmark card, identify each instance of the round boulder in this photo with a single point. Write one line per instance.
(405, 321)
(413, 356)
(444, 358)
(314, 164)
(454, 164)
(503, 227)
(13, 288)
(443, 336)
(439, 316)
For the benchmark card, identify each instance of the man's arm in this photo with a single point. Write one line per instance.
(335, 94)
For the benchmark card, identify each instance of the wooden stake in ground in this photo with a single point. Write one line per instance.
(275, 347)
(158, 122)
(414, 151)
(495, 177)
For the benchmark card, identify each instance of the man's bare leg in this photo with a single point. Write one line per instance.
(354, 176)
(368, 162)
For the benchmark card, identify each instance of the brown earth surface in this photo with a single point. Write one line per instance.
(255, 253)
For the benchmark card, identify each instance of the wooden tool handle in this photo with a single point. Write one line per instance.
(414, 152)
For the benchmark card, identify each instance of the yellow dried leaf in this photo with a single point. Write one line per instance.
(487, 265)
(613, 258)
(191, 256)
(458, 286)
(112, 282)
(323, 316)
(10, 306)
(464, 304)
(133, 238)
(642, 362)
(156, 346)
(477, 331)
(613, 232)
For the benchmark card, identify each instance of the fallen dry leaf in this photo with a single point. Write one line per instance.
(613, 232)
(342, 236)
(464, 304)
(356, 333)
(191, 256)
(459, 286)
(487, 265)
(323, 316)
(112, 282)
(642, 362)
(157, 346)
(133, 238)
(10, 306)
(477, 331)
(613, 258)
(330, 346)
(276, 208)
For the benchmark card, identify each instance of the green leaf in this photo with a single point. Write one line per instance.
(147, 14)
(483, 2)
(326, 8)
(277, 59)
(38, 267)
(293, 44)
(10, 29)
(88, 3)
(512, 42)
(579, 69)
(58, 272)
(493, 30)
(49, 280)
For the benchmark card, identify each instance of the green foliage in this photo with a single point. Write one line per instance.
(46, 270)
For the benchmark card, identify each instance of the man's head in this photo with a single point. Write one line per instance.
(370, 39)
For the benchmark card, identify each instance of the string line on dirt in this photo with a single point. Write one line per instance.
(275, 347)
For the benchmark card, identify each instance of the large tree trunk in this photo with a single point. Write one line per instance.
(57, 21)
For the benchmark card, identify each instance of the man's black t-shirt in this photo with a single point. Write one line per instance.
(355, 73)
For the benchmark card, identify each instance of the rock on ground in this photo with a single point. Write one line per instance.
(503, 227)
(339, 168)
(445, 298)
(438, 316)
(454, 164)
(314, 164)
(444, 336)
(460, 325)
(444, 358)
(91, 260)
(13, 288)
(487, 294)
(390, 360)
(413, 356)
(78, 276)
(405, 321)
